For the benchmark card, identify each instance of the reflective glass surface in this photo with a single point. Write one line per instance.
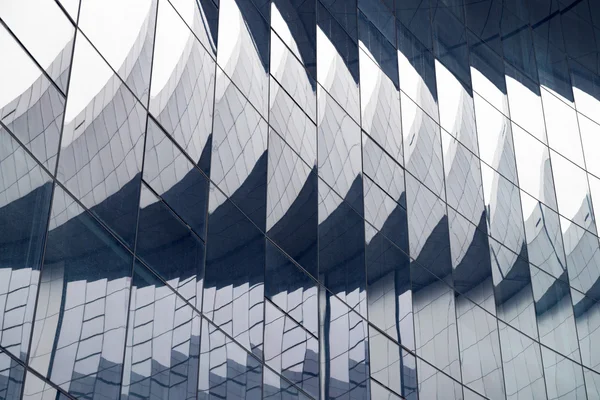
(299, 199)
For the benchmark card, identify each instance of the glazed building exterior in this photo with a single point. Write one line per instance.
(287, 199)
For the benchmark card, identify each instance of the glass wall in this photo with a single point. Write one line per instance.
(299, 199)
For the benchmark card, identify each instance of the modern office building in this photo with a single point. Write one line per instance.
(299, 199)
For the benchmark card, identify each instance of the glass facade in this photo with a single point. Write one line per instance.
(299, 199)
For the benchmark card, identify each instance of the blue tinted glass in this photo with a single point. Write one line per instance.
(414, 20)
(168, 246)
(185, 114)
(234, 276)
(341, 228)
(102, 146)
(239, 152)
(277, 388)
(345, 351)
(226, 370)
(300, 18)
(450, 41)
(388, 288)
(159, 319)
(24, 209)
(380, 47)
(291, 289)
(82, 306)
(344, 12)
(173, 177)
(292, 204)
(381, 16)
(343, 41)
(291, 350)
(517, 45)
(12, 375)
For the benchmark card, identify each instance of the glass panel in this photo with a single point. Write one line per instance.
(450, 40)
(388, 288)
(202, 17)
(291, 289)
(470, 250)
(385, 360)
(555, 319)
(239, 152)
(464, 191)
(544, 239)
(435, 324)
(512, 288)
(553, 71)
(277, 388)
(129, 24)
(386, 215)
(37, 389)
(345, 350)
(169, 247)
(523, 371)
(590, 136)
(487, 66)
(572, 192)
(291, 351)
(587, 319)
(292, 76)
(383, 170)
(428, 229)
(517, 44)
(226, 369)
(102, 142)
(503, 209)
(25, 193)
(163, 342)
(479, 350)
(341, 228)
(525, 104)
(414, 19)
(344, 12)
(31, 107)
(586, 87)
(564, 378)
(583, 257)
(11, 377)
(562, 128)
(592, 383)
(379, 95)
(494, 135)
(294, 126)
(339, 145)
(292, 204)
(433, 384)
(173, 177)
(337, 54)
(457, 115)
(81, 314)
(45, 31)
(379, 391)
(422, 146)
(234, 275)
(391, 366)
(416, 63)
(183, 79)
(295, 23)
(243, 52)
(380, 15)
